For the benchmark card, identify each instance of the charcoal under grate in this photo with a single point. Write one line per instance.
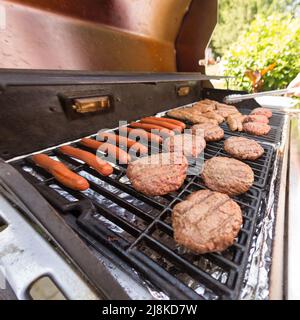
(137, 228)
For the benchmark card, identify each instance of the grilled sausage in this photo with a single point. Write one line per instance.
(151, 137)
(177, 122)
(235, 122)
(124, 141)
(61, 173)
(93, 161)
(112, 150)
(161, 122)
(149, 127)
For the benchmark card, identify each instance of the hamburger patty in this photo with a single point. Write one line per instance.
(262, 111)
(256, 128)
(243, 148)
(227, 175)
(206, 221)
(212, 132)
(158, 174)
(256, 118)
(188, 144)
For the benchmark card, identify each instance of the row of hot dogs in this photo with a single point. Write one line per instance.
(108, 143)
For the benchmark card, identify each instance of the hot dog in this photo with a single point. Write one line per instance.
(61, 173)
(112, 150)
(151, 137)
(177, 122)
(149, 127)
(124, 141)
(161, 122)
(93, 161)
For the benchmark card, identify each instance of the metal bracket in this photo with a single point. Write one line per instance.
(25, 257)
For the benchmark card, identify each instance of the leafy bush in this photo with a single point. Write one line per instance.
(235, 15)
(273, 39)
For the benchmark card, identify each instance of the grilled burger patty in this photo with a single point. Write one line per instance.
(262, 111)
(256, 118)
(188, 144)
(243, 148)
(256, 128)
(227, 175)
(206, 221)
(212, 132)
(158, 174)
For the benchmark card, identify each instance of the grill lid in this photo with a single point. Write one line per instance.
(110, 35)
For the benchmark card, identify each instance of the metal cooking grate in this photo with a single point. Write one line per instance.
(138, 228)
(261, 167)
(274, 136)
(245, 107)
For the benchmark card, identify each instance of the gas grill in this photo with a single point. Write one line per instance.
(138, 228)
(117, 239)
(135, 230)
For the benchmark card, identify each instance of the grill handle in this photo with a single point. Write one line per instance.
(234, 98)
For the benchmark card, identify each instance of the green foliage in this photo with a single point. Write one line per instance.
(236, 15)
(273, 39)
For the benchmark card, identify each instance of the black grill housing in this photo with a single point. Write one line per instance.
(146, 243)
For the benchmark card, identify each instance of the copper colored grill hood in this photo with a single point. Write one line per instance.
(106, 35)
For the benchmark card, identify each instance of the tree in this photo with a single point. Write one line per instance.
(236, 15)
(271, 39)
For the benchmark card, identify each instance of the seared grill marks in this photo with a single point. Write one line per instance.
(256, 128)
(243, 148)
(227, 175)
(136, 225)
(262, 111)
(158, 174)
(206, 221)
(211, 131)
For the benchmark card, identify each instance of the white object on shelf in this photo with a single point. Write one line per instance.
(275, 102)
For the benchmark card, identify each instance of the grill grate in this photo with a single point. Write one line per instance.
(274, 136)
(135, 229)
(276, 123)
(138, 228)
(260, 167)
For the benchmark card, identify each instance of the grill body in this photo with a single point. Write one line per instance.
(133, 230)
